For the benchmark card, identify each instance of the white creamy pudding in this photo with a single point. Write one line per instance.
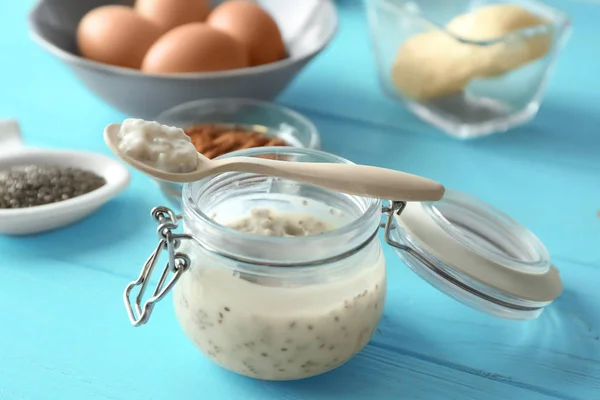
(163, 147)
(281, 332)
(263, 221)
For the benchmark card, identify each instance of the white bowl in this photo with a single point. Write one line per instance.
(23, 221)
(307, 27)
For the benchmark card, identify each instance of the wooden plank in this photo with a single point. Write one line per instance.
(65, 336)
(64, 331)
(559, 353)
(556, 355)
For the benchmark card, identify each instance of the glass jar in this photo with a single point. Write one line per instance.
(281, 308)
(270, 119)
(464, 80)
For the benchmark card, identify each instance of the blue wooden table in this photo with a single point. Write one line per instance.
(64, 334)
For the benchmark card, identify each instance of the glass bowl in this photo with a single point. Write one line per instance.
(467, 82)
(267, 118)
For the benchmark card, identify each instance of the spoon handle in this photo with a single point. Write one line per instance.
(361, 180)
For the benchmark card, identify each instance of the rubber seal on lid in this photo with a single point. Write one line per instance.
(478, 255)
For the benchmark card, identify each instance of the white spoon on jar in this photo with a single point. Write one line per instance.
(361, 180)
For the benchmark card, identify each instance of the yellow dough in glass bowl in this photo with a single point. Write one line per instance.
(436, 63)
(432, 64)
(496, 22)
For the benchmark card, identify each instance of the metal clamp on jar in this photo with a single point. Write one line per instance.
(291, 307)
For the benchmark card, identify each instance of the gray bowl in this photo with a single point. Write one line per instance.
(307, 27)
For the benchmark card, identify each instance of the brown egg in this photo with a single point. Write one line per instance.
(194, 48)
(169, 14)
(253, 26)
(116, 35)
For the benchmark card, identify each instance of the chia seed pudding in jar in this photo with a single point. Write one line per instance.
(279, 314)
(279, 280)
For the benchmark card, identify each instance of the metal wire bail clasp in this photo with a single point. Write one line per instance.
(395, 209)
(177, 263)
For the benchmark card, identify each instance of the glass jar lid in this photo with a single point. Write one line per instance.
(475, 254)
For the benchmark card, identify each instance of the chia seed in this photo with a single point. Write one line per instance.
(257, 344)
(36, 185)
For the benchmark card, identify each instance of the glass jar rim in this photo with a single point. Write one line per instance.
(227, 103)
(373, 205)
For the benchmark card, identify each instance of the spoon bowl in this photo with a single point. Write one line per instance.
(361, 180)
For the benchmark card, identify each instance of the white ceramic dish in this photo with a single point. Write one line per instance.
(38, 219)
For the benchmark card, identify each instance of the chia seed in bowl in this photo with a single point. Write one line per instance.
(35, 185)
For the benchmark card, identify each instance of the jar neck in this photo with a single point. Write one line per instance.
(236, 193)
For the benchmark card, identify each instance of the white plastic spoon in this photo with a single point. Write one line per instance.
(361, 180)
